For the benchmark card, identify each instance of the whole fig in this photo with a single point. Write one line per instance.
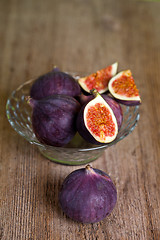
(54, 119)
(88, 195)
(54, 82)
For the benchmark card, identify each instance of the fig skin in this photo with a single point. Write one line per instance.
(128, 102)
(88, 195)
(54, 119)
(54, 82)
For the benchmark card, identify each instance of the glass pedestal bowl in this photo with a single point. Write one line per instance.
(78, 151)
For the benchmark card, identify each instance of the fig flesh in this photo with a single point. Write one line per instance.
(88, 195)
(54, 119)
(96, 121)
(115, 106)
(122, 87)
(98, 80)
(54, 82)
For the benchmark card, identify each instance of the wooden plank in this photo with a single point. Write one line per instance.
(81, 36)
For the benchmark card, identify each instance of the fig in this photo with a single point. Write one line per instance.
(122, 87)
(117, 110)
(54, 119)
(88, 195)
(98, 80)
(54, 82)
(96, 121)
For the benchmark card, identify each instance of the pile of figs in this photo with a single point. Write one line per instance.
(61, 106)
(90, 105)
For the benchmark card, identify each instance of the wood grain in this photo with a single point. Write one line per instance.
(82, 36)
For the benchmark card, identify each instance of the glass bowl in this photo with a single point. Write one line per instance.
(78, 151)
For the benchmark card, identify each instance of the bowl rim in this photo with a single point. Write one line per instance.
(45, 146)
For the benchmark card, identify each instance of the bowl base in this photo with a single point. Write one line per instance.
(70, 160)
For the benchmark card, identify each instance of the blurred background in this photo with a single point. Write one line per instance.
(80, 36)
(35, 35)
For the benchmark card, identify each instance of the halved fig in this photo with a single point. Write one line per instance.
(96, 121)
(114, 105)
(98, 80)
(122, 87)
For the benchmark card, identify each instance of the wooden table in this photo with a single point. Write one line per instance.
(83, 36)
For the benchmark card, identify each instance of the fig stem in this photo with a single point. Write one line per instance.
(94, 92)
(89, 169)
(55, 69)
(27, 98)
(30, 101)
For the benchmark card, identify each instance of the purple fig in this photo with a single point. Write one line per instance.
(54, 119)
(88, 195)
(54, 82)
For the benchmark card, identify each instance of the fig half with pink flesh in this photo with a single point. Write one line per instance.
(96, 121)
(122, 87)
(98, 80)
(115, 106)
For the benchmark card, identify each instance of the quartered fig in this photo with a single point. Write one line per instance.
(54, 119)
(54, 82)
(96, 121)
(122, 86)
(114, 105)
(98, 80)
(88, 195)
